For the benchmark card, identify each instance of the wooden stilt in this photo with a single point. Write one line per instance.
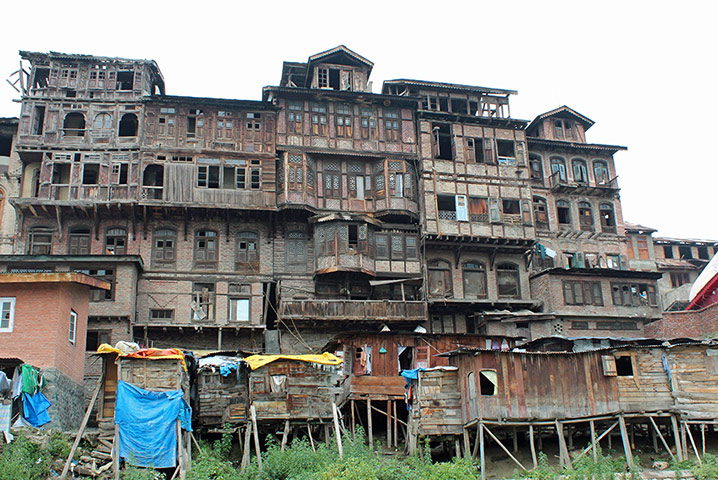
(684, 442)
(539, 434)
(457, 447)
(663, 440)
(625, 440)
(703, 437)
(255, 433)
(633, 435)
(515, 438)
(78, 437)
(116, 452)
(396, 430)
(593, 440)
(493, 437)
(354, 433)
(369, 423)
(481, 448)
(677, 437)
(180, 452)
(570, 436)
(247, 443)
(335, 414)
(476, 442)
(533, 446)
(693, 444)
(311, 439)
(388, 423)
(654, 438)
(286, 434)
(563, 450)
(467, 444)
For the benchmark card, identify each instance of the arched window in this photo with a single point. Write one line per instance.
(116, 241)
(600, 172)
(128, 125)
(563, 212)
(507, 277)
(440, 284)
(79, 241)
(540, 212)
(580, 171)
(296, 255)
(164, 248)
(205, 249)
(39, 241)
(536, 164)
(247, 251)
(585, 216)
(474, 280)
(608, 217)
(74, 125)
(558, 169)
(102, 126)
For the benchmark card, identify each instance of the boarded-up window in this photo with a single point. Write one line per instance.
(423, 357)
(488, 383)
(712, 361)
(609, 365)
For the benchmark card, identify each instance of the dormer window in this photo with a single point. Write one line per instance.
(334, 78)
(563, 129)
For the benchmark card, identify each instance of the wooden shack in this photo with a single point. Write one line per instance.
(222, 399)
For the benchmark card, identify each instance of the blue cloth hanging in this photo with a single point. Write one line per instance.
(35, 409)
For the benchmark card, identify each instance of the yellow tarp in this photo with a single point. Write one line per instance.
(146, 353)
(256, 361)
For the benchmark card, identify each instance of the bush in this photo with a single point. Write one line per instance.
(24, 459)
(135, 473)
(709, 469)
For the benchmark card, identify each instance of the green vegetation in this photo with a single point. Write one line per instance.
(603, 468)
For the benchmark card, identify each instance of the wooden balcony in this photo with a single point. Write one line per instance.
(354, 310)
(562, 185)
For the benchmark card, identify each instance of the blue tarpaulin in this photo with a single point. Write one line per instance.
(147, 424)
(410, 375)
(35, 409)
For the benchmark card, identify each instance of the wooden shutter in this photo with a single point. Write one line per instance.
(609, 365)
(423, 357)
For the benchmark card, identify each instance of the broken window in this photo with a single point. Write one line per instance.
(319, 118)
(164, 248)
(488, 383)
(608, 218)
(208, 176)
(442, 141)
(79, 241)
(511, 206)
(474, 280)
(39, 241)
(125, 80)
(368, 123)
(474, 151)
(202, 303)
(91, 174)
(116, 241)
(558, 170)
(152, 182)
(633, 295)
(128, 125)
(443, 324)
(430, 102)
(540, 212)
(295, 116)
(38, 120)
(563, 129)
(580, 171)
(61, 173)
(39, 80)
(459, 105)
(478, 209)
(205, 249)
(624, 365)
(253, 121)
(600, 172)
(247, 251)
(440, 284)
(536, 168)
(585, 216)
(703, 253)
(679, 278)
(447, 207)
(563, 212)
(506, 152)
(685, 252)
(405, 357)
(322, 77)
(362, 360)
(392, 125)
(613, 261)
(74, 125)
(507, 277)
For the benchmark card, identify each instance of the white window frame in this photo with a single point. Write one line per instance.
(11, 319)
(235, 309)
(72, 336)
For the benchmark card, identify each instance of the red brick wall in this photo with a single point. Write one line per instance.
(696, 324)
(41, 327)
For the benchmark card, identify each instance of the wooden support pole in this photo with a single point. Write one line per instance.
(199, 449)
(703, 437)
(677, 437)
(660, 435)
(693, 444)
(633, 435)
(593, 440)
(570, 436)
(78, 437)
(388, 423)
(335, 414)
(354, 421)
(396, 429)
(539, 434)
(654, 438)
(247, 443)
(467, 444)
(481, 448)
(311, 440)
(476, 441)
(493, 437)
(457, 446)
(255, 434)
(533, 446)
(369, 423)
(515, 438)
(180, 452)
(563, 450)
(625, 440)
(684, 442)
(285, 436)
(116, 452)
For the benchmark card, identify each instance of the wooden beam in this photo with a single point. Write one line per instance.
(533, 446)
(247, 443)
(388, 423)
(78, 437)
(286, 434)
(660, 435)
(351, 406)
(336, 430)
(116, 451)
(255, 433)
(369, 423)
(595, 441)
(384, 413)
(563, 451)
(481, 449)
(693, 444)
(625, 440)
(677, 437)
(311, 439)
(504, 448)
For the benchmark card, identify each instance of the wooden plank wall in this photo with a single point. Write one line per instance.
(647, 389)
(694, 372)
(437, 405)
(222, 399)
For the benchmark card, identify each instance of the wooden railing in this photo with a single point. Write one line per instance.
(379, 310)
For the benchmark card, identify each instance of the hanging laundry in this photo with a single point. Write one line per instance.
(4, 384)
(5, 418)
(32, 380)
(16, 383)
(35, 409)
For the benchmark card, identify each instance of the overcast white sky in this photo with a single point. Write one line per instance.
(645, 72)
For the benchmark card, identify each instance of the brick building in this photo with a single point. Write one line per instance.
(274, 225)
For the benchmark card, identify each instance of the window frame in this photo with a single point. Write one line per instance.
(558, 165)
(247, 263)
(164, 263)
(479, 268)
(33, 244)
(11, 314)
(504, 268)
(210, 237)
(440, 267)
(112, 250)
(72, 332)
